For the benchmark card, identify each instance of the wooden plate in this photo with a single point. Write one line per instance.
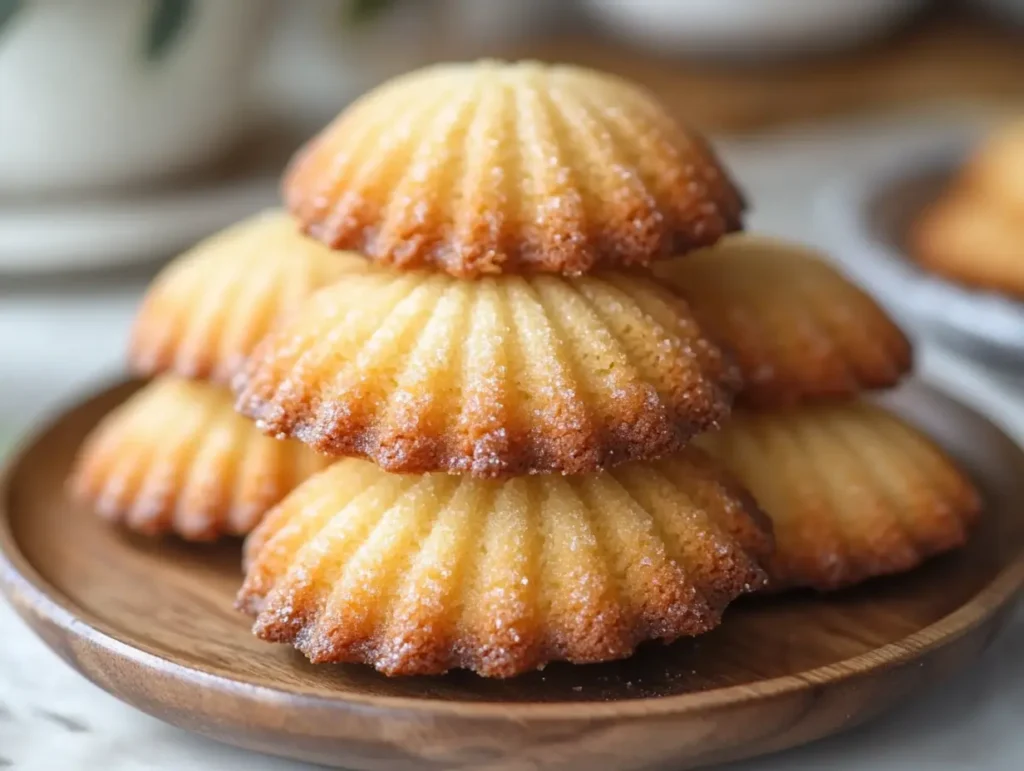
(152, 623)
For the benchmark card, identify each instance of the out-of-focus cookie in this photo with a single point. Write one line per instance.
(416, 575)
(968, 239)
(853, 491)
(176, 458)
(996, 171)
(492, 167)
(206, 310)
(798, 328)
(499, 376)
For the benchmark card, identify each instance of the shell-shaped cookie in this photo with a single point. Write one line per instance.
(798, 329)
(852, 490)
(492, 167)
(969, 240)
(207, 309)
(503, 375)
(176, 458)
(421, 574)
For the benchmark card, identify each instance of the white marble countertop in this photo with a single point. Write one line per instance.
(59, 336)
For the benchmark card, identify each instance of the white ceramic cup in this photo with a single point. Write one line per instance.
(113, 92)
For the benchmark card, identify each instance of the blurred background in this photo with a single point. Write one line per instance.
(131, 128)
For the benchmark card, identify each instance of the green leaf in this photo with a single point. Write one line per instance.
(165, 25)
(8, 9)
(358, 12)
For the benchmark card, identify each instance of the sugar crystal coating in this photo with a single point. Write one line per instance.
(492, 167)
(176, 458)
(502, 375)
(853, 491)
(422, 574)
(204, 312)
(799, 330)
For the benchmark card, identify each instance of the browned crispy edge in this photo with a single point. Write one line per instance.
(692, 222)
(92, 483)
(499, 653)
(641, 431)
(814, 383)
(790, 571)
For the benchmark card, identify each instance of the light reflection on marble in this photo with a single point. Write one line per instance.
(51, 718)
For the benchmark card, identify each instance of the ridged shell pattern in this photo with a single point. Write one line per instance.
(504, 375)
(852, 490)
(798, 329)
(421, 574)
(491, 167)
(207, 309)
(176, 458)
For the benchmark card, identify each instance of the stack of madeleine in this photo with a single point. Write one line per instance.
(513, 398)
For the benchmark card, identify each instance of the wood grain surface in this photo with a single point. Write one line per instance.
(152, 622)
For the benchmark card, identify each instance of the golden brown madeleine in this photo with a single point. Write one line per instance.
(967, 239)
(176, 458)
(799, 330)
(996, 171)
(206, 310)
(416, 575)
(502, 375)
(853, 491)
(492, 167)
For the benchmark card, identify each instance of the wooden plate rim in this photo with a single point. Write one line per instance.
(36, 599)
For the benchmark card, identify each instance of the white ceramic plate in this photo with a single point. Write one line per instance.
(45, 237)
